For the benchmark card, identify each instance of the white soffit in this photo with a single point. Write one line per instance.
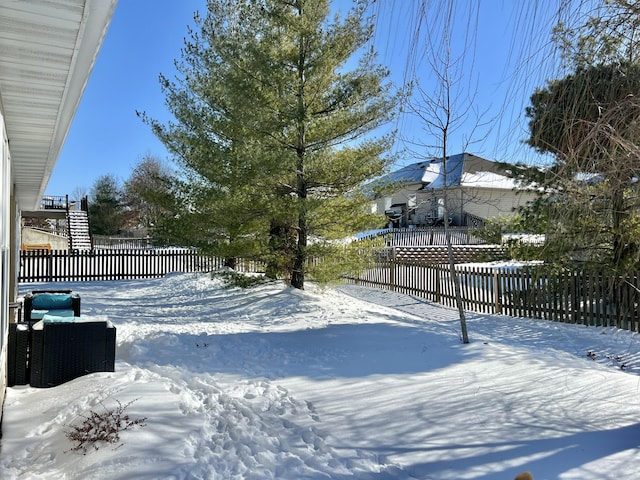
(47, 51)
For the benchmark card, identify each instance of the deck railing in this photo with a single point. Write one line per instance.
(427, 236)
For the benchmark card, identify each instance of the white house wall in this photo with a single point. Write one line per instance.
(481, 202)
(490, 203)
(47, 51)
(6, 282)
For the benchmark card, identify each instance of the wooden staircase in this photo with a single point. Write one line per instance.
(79, 236)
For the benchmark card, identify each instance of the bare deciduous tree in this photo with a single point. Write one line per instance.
(447, 104)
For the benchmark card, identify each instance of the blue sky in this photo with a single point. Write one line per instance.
(145, 38)
(106, 136)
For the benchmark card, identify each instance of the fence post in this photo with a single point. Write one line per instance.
(574, 298)
(392, 270)
(497, 292)
(50, 266)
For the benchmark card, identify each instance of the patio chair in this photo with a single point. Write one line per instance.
(18, 350)
(63, 351)
(57, 303)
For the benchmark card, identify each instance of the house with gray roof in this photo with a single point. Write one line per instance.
(476, 189)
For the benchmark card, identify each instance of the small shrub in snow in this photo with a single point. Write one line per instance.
(235, 279)
(102, 427)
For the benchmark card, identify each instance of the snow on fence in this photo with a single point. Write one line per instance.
(113, 264)
(572, 297)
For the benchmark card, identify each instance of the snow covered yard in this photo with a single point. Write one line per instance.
(274, 383)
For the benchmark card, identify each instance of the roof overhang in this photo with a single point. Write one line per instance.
(47, 52)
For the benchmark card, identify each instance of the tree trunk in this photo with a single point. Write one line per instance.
(452, 265)
(300, 259)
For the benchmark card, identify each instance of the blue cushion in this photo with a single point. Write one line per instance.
(49, 318)
(39, 314)
(51, 301)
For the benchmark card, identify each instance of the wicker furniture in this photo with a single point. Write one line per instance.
(18, 348)
(63, 351)
(59, 303)
(53, 344)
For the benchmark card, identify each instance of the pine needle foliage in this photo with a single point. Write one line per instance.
(588, 121)
(275, 111)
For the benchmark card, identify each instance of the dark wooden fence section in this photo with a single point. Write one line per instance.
(573, 297)
(570, 297)
(110, 264)
(424, 236)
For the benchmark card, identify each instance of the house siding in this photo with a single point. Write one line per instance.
(7, 283)
(490, 203)
(481, 202)
(59, 71)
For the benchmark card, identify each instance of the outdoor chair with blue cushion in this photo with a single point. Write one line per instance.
(54, 303)
(63, 350)
(54, 344)
(17, 354)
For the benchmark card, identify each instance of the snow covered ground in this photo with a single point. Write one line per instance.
(349, 382)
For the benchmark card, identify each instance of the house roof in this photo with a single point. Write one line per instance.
(410, 174)
(47, 51)
(466, 170)
(434, 176)
(463, 169)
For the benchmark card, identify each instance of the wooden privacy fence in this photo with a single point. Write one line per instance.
(571, 297)
(98, 265)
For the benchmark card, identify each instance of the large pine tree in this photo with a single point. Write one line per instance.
(274, 110)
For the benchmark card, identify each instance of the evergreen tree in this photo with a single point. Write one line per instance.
(588, 121)
(106, 211)
(272, 130)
